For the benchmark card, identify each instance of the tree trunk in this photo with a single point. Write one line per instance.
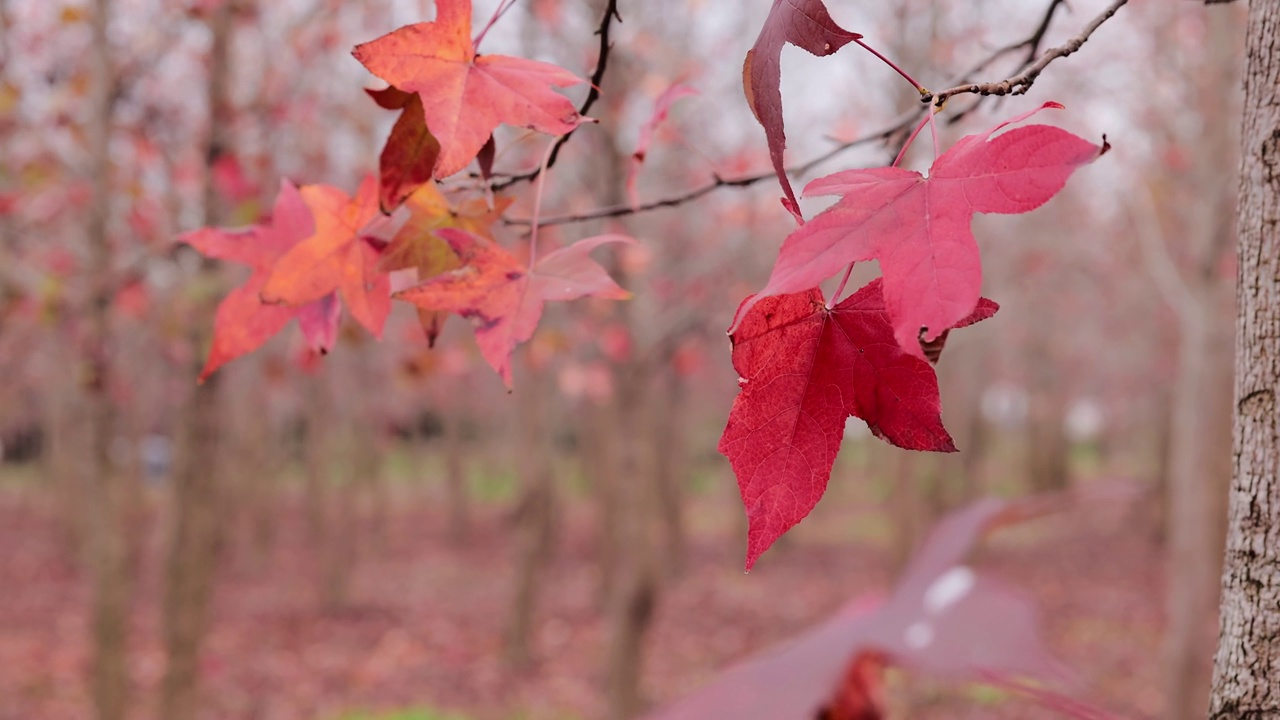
(1194, 549)
(198, 503)
(104, 486)
(1246, 680)
(671, 463)
(535, 513)
(455, 477)
(1199, 459)
(596, 457)
(630, 609)
(1047, 450)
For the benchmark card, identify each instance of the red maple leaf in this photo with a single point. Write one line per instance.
(807, 25)
(805, 369)
(335, 256)
(945, 619)
(243, 322)
(409, 155)
(860, 695)
(503, 297)
(919, 227)
(464, 95)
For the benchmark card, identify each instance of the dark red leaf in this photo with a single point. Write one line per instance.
(807, 25)
(804, 371)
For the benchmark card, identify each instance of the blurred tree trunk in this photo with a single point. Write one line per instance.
(536, 510)
(670, 455)
(1198, 456)
(325, 507)
(254, 454)
(632, 478)
(340, 551)
(969, 368)
(1246, 679)
(1046, 410)
(455, 477)
(331, 470)
(1193, 546)
(369, 475)
(195, 537)
(597, 462)
(630, 610)
(1163, 422)
(105, 486)
(64, 461)
(373, 473)
(907, 504)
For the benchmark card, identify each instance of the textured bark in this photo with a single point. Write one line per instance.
(1246, 680)
(196, 537)
(104, 484)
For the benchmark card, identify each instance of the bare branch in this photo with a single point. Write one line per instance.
(1016, 85)
(597, 77)
(719, 182)
(1022, 82)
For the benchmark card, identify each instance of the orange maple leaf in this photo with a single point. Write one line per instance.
(243, 322)
(503, 297)
(336, 256)
(465, 96)
(418, 246)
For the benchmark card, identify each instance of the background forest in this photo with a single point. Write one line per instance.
(386, 532)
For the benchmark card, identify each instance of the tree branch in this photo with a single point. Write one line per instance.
(717, 183)
(1016, 85)
(1022, 82)
(597, 77)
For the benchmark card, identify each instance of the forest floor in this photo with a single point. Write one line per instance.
(420, 633)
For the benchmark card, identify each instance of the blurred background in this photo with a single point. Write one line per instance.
(386, 533)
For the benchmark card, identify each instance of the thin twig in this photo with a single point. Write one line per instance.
(1028, 72)
(1022, 82)
(717, 183)
(1031, 44)
(593, 94)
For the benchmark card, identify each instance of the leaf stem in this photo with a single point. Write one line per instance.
(918, 87)
(831, 302)
(537, 203)
(933, 128)
(502, 8)
(902, 153)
